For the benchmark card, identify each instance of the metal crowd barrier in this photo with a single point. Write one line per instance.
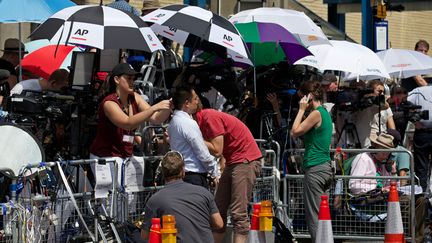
(357, 218)
(68, 211)
(57, 212)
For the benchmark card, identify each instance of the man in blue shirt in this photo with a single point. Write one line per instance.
(186, 137)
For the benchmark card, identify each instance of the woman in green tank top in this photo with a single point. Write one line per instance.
(317, 131)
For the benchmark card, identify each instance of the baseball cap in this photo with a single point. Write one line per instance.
(123, 68)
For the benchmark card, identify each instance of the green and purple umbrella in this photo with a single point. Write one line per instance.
(270, 43)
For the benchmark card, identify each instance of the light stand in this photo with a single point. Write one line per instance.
(379, 112)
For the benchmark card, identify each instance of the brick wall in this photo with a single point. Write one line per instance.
(405, 28)
(316, 6)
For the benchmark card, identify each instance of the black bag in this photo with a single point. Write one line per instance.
(374, 196)
(282, 234)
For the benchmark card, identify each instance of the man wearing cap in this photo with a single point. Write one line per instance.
(10, 59)
(124, 6)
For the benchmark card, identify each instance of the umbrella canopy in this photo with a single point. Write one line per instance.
(271, 43)
(346, 57)
(47, 59)
(198, 28)
(19, 11)
(15, 11)
(405, 63)
(98, 26)
(295, 22)
(32, 46)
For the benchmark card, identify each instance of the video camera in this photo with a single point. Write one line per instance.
(355, 99)
(412, 112)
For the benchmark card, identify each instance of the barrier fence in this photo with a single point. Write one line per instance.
(65, 210)
(55, 202)
(354, 217)
(48, 209)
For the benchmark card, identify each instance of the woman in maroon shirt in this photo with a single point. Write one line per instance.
(121, 112)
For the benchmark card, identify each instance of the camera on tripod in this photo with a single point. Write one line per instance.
(355, 99)
(412, 112)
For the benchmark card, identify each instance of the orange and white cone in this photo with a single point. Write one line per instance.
(325, 231)
(394, 228)
(255, 235)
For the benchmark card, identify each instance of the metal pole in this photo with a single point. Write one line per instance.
(367, 33)
(19, 53)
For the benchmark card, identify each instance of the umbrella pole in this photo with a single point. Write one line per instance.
(254, 80)
(19, 53)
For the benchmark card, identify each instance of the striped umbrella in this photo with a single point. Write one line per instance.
(200, 29)
(98, 26)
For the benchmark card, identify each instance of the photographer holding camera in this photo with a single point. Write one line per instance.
(370, 111)
(383, 119)
(422, 96)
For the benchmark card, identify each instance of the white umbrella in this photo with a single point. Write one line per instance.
(405, 63)
(298, 23)
(346, 57)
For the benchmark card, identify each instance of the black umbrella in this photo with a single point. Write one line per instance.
(98, 26)
(199, 28)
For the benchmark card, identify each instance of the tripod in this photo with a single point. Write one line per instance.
(351, 135)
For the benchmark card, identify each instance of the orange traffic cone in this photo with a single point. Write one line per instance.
(155, 231)
(266, 216)
(169, 230)
(255, 235)
(394, 228)
(325, 231)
